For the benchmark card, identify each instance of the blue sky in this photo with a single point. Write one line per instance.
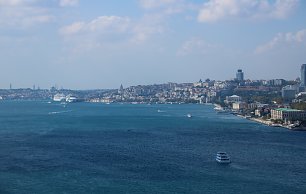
(82, 44)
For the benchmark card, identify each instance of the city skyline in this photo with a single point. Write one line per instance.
(101, 44)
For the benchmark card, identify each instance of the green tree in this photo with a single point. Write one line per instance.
(299, 105)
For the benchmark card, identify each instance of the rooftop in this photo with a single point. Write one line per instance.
(287, 109)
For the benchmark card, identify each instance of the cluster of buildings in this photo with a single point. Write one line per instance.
(264, 99)
(47, 94)
(292, 91)
(269, 99)
(273, 112)
(207, 91)
(261, 100)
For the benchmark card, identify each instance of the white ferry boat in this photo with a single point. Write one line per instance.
(71, 98)
(219, 109)
(223, 158)
(59, 97)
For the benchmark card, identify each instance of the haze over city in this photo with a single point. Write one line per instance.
(101, 44)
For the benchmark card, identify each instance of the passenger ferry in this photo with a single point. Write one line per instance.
(71, 98)
(59, 97)
(220, 109)
(223, 158)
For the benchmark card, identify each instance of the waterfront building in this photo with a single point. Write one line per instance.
(287, 114)
(239, 75)
(251, 106)
(106, 100)
(233, 98)
(258, 112)
(303, 75)
(239, 105)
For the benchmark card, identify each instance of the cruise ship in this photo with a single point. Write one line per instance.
(223, 158)
(59, 97)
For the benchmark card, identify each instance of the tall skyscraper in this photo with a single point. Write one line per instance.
(239, 75)
(303, 75)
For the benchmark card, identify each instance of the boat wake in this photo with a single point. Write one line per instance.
(238, 167)
(59, 112)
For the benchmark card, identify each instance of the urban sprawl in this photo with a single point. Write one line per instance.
(275, 102)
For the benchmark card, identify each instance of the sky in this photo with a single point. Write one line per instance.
(99, 44)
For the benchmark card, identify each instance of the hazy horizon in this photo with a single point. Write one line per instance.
(82, 44)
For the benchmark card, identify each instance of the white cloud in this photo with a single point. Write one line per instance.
(112, 28)
(147, 27)
(114, 23)
(102, 24)
(11, 2)
(282, 40)
(196, 46)
(167, 7)
(150, 4)
(73, 28)
(20, 13)
(64, 3)
(215, 10)
(103, 31)
(282, 8)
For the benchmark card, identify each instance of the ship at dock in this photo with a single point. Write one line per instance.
(59, 97)
(69, 98)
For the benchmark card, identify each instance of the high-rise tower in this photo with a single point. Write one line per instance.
(303, 75)
(239, 75)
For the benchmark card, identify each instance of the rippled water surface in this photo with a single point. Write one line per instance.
(124, 148)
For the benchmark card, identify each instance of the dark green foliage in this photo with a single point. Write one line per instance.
(299, 105)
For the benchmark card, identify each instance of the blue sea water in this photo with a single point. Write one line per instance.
(125, 148)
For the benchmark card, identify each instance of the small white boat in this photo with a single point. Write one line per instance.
(223, 158)
(189, 115)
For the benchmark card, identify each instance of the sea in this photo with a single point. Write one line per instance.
(48, 147)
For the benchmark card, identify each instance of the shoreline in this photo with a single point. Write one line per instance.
(271, 124)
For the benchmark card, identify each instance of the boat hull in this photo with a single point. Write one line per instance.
(223, 161)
